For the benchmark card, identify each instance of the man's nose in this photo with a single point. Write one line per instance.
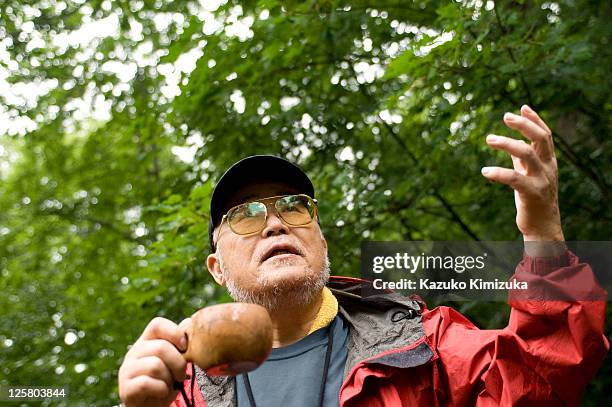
(274, 226)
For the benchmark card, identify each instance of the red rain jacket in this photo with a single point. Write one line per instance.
(547, 354)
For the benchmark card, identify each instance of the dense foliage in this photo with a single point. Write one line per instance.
(120, 114)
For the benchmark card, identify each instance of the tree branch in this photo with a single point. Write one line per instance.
(436, 193)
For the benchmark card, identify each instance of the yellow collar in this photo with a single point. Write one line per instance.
(327, 312)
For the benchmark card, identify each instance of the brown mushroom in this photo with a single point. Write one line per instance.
(229, 339)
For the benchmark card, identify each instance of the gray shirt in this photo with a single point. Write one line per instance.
(291, 376)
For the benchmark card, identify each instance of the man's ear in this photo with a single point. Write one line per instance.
(214, 268)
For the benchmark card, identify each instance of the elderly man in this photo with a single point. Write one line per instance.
(332, 347)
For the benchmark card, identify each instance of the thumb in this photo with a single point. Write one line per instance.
(184, 326)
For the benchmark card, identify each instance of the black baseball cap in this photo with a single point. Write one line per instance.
(255, 168)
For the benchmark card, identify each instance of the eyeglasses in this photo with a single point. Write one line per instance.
(251, 217)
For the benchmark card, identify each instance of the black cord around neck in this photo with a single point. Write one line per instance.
(249, 390)
(330, 345)
(183, 393)
(181, 387)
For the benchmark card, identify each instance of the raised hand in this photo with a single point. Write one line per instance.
(533, 178)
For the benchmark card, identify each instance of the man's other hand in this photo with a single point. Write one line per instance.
(533, 178)
(153, 364)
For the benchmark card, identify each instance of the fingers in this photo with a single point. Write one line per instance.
(528, 112)
(165, 352)
(530, 127)
(518, 165)
(162, 328)
(506, 176)
(517, 149)
(145, 387)
(151, 366)
(526, 126)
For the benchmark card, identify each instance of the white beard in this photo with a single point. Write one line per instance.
(273, 296)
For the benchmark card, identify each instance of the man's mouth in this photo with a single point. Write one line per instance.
(278, 251)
